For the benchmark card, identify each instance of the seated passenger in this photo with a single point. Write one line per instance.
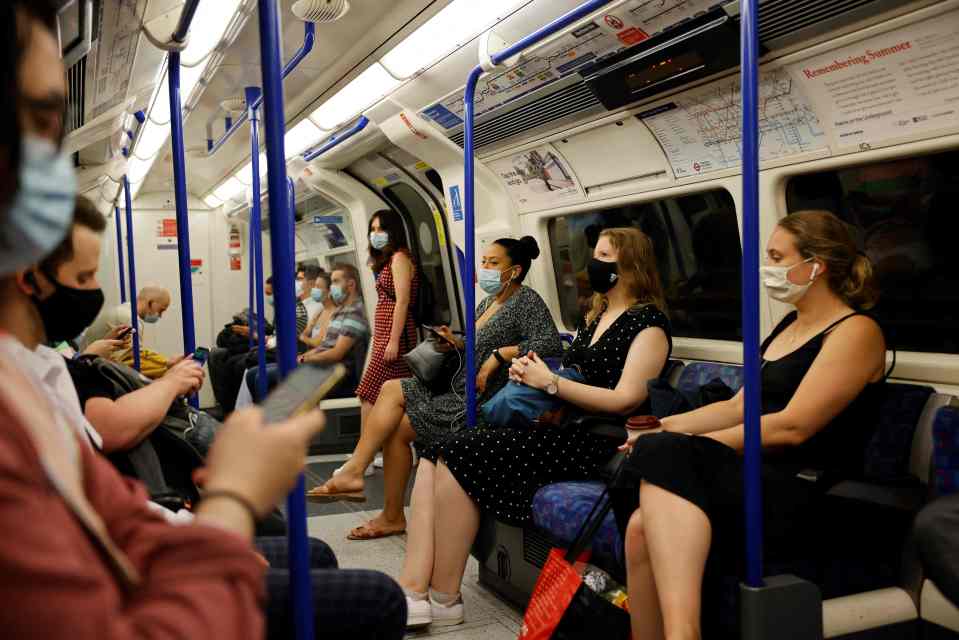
(512, 320)
(81, 541)
(345, 341)
(623, 342)
(315, 331)
(937, 538)
(152, 303)
(305, 282)
(823, 369)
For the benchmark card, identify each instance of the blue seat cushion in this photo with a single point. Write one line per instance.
(560, 510)
(698, 374)
(888, 448)
(945, 433)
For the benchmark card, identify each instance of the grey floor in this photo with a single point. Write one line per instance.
(487, 617)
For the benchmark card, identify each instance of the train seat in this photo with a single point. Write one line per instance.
(342, 430)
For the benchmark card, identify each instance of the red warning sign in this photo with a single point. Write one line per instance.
(632, 36)
(613, 22)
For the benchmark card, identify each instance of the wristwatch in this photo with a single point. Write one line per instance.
(553, 387)
(499, 357)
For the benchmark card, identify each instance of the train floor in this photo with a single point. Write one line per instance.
(487, 617)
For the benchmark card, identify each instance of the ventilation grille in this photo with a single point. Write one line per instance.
(781, 18)
(536, 546)
(76, 96)
(565, 102)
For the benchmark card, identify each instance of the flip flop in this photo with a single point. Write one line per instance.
(369, 531)
(317, 494)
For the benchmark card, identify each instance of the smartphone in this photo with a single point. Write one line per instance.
(201, 355)
(123, 334)
(301, 391)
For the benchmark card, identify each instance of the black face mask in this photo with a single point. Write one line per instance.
(602, 275)
(68, 311)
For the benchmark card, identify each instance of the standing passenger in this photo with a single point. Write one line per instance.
(397, 282)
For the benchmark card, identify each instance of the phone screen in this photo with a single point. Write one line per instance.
(201, 355)
(301, 391)
(123, 334)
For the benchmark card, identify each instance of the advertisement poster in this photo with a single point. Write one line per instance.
(901, 83)
(538, 178)
(166, 234)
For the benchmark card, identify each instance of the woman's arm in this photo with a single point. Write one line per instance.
(402, 283)
(307, 336)
(714, 416)
(645, 360)
(852, 355)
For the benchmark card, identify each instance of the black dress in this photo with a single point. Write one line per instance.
(501, 469)
(709, 474)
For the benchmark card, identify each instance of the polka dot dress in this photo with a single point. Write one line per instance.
(502, 469)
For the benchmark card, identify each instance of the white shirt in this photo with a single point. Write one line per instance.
(108, 319)
(49, 370)
(312, 307)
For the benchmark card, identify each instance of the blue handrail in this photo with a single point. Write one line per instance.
(123, 284)
(186, 18)
(256, 226)
(131, 264)
(469, 220)
(182, 209)
(251, 309)
(281, 230)
(752, 478)
(337, 139)
(309, 37)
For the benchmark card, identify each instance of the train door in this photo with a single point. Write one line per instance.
(410, 193)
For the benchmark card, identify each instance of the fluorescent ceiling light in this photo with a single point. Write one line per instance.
(213, 202)
(137, 169)
(229, 189)
(301, 137)
(363, 91)
(245, 175)
(152, 139)
(208, 27)
(454, 26)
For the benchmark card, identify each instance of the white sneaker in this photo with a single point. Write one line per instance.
(447, 615)
(378, 461)
(418, 613)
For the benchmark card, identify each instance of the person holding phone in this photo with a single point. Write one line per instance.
(511, 320)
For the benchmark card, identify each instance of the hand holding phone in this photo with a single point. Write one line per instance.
(301, 390)
(201, 355)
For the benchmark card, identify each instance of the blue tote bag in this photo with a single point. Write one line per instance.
(518, 406)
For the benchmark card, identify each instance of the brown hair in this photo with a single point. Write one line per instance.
(349, 271)
(85, 214)
(392, 224)
(636, 264)
(821, 235)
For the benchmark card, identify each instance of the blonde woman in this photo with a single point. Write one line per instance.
(823, 367)
(623, 341)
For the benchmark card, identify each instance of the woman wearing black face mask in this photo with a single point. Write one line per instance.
(622, 343)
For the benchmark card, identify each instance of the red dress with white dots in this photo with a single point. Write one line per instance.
(378, 371)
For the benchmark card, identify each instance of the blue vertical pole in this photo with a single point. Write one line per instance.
(182, 207)
(256, 224)
(752, 478)
(469, 222)
(251, 311)
(123, 281)
(131, 264)
(281, 229)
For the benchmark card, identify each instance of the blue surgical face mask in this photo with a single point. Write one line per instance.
(299, 288)
(151, 318)
(41, 214)
(337, 293)
(318, 295)
(379, 239)
(269, 299)
(491, 281)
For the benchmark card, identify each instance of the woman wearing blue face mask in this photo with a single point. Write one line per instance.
(397, 285)
(511, 320)
(315, 331)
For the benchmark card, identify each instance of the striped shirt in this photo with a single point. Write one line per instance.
(349, 320)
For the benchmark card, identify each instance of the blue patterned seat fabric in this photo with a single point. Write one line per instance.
(560, 510)
(945, 433)
(698, 374)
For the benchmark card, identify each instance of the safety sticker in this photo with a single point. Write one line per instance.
(456, 203)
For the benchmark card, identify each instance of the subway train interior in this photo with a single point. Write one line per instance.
(623, 113)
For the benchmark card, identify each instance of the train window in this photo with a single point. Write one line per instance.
(697, 250)
(424, 241)
(903, 217)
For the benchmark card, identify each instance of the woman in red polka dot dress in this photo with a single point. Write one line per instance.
(397, 284)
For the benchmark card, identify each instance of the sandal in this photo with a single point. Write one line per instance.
(370, 531)
(326, 493)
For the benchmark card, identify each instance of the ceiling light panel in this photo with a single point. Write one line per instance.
(363, 91)
(454, 26)
(301, 137)
(229, 189)
(213, 202)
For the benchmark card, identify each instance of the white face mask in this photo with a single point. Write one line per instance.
(778, 285)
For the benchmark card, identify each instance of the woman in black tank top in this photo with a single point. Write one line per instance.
(822, 368)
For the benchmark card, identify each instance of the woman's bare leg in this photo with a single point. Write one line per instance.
(647, 619)
(678, 535)
(455, 528)
(397, 465)
(418, 563)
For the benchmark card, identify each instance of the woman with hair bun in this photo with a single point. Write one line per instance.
(510, 321)
(623, 342)
(823, 372)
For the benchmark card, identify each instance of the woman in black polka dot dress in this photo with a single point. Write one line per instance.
(623, 342)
